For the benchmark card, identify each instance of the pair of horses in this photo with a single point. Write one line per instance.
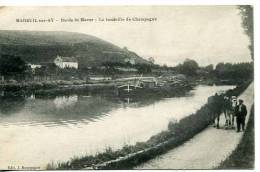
(230, 104)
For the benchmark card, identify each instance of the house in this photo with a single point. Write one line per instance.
(100, 78)
(34, 66)
(66, 62)
(130, 60)
(124, 69)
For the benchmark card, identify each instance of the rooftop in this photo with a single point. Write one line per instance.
(68, 59)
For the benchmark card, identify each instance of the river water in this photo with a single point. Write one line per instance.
(35, 131)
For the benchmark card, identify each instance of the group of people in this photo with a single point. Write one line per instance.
(233, 109)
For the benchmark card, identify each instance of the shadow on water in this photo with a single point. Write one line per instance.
(64, 109)
(10, 104)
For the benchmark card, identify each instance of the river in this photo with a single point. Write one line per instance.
(35, 130)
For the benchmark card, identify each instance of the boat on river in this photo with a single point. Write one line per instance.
(150, 85)
(129, 89)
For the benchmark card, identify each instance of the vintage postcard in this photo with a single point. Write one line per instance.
(127, 87)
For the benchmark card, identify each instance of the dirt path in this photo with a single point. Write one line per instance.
(204, 151)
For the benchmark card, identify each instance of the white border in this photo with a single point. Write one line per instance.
(255, 3)
(124, 2)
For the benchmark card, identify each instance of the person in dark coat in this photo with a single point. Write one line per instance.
(240, 113)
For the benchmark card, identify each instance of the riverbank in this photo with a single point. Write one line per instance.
(47, 84)
(66, 87)
(110, 87)
(243, 157)
(129, 156)
(29, 86)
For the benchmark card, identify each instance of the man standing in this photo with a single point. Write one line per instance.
(226, 109)
(241, 113)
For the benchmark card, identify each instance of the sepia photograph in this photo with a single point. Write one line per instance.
(127, 87)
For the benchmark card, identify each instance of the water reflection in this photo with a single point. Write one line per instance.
(63, 110)
(60, 110)
(65, 101)
(11, 104)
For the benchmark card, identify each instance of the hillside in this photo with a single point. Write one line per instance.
(44, 46)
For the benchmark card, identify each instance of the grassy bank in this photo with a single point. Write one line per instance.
(243, 157)
(64, 87)
(37, 85)
(131, 155)
(54, 88)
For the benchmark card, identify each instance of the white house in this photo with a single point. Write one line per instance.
(130, 60)
(66, 62)
(34, 66)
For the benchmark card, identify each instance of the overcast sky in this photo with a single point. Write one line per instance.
(208, 34)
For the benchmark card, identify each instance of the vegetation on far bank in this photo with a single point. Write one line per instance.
(15, 76)
(14, 69)
(243, 157)
(176, 134)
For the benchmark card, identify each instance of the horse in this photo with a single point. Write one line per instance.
(215, 105)
(226, 110)
(229, 111)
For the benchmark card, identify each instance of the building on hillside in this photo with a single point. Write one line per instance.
(126, 69)
(34, 66)
(130, 60)
(66, 62)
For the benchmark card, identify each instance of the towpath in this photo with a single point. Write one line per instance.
(207, 149)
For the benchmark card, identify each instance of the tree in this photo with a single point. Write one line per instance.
(40, 72)
(220, 66)
(189, 67)
(209, 68)
(110, 70)
(151, 60)
(143, 68)
(246, 12)
(239, 71)
(12, 66)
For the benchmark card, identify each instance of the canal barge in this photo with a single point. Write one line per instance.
(152, 86)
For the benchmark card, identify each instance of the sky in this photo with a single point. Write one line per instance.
(207, 34)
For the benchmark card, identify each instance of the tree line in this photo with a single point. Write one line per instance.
(15, 67)
(225, 71)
